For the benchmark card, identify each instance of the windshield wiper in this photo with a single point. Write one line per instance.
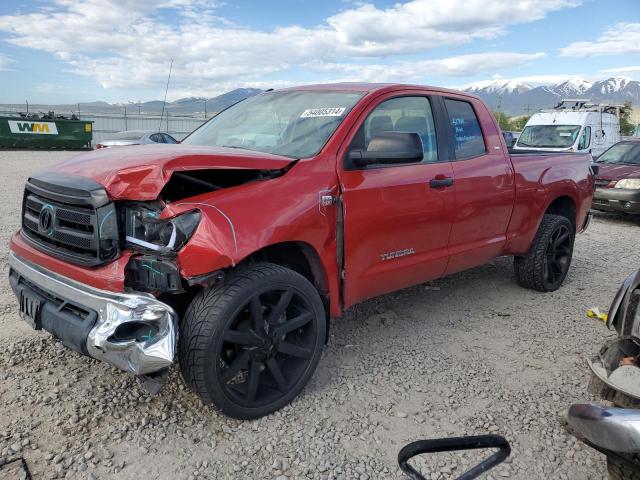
(232, 146)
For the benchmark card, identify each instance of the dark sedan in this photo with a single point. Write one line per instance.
(618, 181)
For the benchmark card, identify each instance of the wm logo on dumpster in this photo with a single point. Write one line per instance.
(38, 128)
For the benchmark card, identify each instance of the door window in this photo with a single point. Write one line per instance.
(585, 139)
(465, 129)
(155, 138)
(168, 138)
(402, 114)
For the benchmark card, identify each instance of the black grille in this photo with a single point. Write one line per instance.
(78, 231)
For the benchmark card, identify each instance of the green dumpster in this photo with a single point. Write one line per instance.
(46, 132)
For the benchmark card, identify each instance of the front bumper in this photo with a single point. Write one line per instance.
(617, 200)
(132, 331)
(609, 428)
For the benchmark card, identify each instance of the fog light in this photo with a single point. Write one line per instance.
(627, 204)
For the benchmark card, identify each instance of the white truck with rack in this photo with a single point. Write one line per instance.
(574, 125)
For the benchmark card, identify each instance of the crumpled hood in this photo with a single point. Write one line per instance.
(618, 172)
(139, 172)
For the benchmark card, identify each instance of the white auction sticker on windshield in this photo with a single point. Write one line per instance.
(323, 112)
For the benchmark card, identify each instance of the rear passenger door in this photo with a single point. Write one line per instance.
(396, 220)
(484, 180)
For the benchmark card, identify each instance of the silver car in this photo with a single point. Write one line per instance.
(136, 137)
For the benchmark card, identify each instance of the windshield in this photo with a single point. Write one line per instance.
(548, 136)
(130, 135)
(292, 124)
(622, 153)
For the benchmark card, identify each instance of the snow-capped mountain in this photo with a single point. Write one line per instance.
(516, 98)
(499, 87)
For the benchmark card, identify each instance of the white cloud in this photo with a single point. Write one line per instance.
(630, 70)
(128, 44)
(462, 65)
(622, 38)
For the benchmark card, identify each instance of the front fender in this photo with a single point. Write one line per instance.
(213, 245)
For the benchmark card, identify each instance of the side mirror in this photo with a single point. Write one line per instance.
(595, 168)
(388, 148)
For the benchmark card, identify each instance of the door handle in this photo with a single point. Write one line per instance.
(441, 182)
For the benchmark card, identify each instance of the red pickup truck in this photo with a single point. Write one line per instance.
(237, 246)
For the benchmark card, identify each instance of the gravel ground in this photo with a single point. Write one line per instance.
(469, 354)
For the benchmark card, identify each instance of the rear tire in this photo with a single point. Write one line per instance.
(249, 346)
(547, 263)
(619, 470)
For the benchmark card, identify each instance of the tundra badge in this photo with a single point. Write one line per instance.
(397, 254)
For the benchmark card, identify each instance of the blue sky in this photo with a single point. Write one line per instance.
(65, 51)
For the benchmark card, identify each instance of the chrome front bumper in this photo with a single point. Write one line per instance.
(114, 311)
(610, 428)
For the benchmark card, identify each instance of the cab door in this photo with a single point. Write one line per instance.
(397, 216)
(485, 187)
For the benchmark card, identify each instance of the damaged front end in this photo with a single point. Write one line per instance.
(134, 332)
(129, 248)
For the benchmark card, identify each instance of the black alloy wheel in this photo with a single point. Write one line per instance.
(558, 255)
(266, 348)
(249, 347)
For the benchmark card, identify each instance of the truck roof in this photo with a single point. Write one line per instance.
(370, 87)
(563, 118)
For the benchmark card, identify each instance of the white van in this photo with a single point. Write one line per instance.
(572, 126)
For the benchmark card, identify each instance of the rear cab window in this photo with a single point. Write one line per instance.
(465, 129)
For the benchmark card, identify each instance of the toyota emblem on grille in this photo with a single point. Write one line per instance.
(45, 221)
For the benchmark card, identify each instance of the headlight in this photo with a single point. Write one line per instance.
(144, 229)
(628, 183)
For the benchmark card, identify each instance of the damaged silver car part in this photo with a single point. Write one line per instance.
(132, 331)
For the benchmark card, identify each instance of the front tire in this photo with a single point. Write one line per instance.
(249, 346)
(546, 265)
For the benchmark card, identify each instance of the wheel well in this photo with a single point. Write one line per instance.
(299, 257)
(565, 207)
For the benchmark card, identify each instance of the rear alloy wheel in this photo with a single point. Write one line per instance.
(547, 263)
(250, 346)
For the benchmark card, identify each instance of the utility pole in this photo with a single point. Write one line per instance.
(527, 109)
(27, 101)
(205, 108)
(164, 102)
